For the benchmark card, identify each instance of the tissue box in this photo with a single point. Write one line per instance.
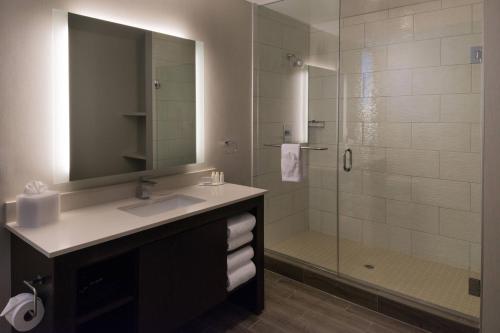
(34, 210)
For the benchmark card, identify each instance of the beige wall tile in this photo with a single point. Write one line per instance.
(400, 240)
(351, 182)
(456, 50)
(323, 43)
(376, 235)
(408, 162)
(386, 185)
(414, 9)
(444, 193)
(477, 17)
(394, 30)
(475, 200)
(352, 37)
(295, 39)
(269, 32)
(314, 220)
(325, 158)
(413, 108)
(447, 22)
(442, 80)
(426, 53)
(441, 249)
(458, 3)
(439, 136)
(460, 166)
(475, 257)
(323, 109)
(389, 83)
(351, 85)
(464, 108)
(285, 228)
(395, 135)
(351, 133)
(270, 58)
(476, 138)
(410, 215)
(369, 109)
(329, 223)
(351, 228)
(270, 85)
(369, 158)
(365, 60)
(477, 78)
(460, 225)
(370, 17)
(362, 207)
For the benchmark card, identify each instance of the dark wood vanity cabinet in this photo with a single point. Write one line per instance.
(152, 281)
(181, 277)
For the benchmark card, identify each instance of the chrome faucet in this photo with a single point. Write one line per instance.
(143, 190)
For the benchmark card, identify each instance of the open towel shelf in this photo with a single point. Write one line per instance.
(278, 145)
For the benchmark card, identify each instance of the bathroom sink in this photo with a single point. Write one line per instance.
(161, 205)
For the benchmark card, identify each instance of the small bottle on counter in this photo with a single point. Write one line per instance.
(221, 178)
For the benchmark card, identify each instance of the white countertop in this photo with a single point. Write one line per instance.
(81, 228)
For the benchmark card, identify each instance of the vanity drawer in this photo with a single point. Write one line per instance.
(181, 277)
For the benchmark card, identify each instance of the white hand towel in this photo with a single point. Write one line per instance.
(240, 224)
(235, 243)
(290, 163)
(241, 275)
(239, 258)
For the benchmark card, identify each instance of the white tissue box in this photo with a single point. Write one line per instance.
(34, 210)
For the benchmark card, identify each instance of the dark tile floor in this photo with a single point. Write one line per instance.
(295, 307)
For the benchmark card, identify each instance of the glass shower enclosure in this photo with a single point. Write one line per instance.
(386, 102)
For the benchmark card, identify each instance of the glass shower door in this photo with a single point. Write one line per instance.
(409, 133)
(295, 100)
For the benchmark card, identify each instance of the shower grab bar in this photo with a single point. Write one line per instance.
(278, 145)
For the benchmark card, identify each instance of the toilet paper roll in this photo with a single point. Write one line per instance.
(16, 312)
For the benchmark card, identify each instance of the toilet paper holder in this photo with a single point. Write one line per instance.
(39, 280)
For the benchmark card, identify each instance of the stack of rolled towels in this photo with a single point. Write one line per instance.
(240, 267)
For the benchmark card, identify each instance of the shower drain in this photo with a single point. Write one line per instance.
(368, 266)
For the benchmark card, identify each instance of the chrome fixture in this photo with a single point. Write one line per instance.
(143, 190)
(39, 280)
(348, 167)
(295, 60)
(302, 147)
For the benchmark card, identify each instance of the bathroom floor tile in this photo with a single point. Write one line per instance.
(295, 307)
(421, 280)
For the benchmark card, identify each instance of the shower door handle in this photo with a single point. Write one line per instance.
(347, 167)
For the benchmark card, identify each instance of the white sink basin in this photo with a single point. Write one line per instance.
(161, 205)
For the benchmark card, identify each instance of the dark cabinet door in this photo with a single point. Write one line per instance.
(181, 277)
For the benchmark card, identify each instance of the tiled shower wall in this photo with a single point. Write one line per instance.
(277, 101)
(412, 103)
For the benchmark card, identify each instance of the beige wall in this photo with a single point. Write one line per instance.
(490, 321)
(25, 92)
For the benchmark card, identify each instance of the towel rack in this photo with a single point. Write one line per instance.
(278, 145)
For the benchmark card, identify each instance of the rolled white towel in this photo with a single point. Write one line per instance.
(235, 243)
(240, 224)
(240, 275)
(239, 258)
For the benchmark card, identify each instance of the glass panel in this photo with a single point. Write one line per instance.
(296, 56)
(409, 209)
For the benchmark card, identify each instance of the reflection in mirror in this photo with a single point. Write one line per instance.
(133, 97)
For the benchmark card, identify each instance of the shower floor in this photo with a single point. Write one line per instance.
(422, 280)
